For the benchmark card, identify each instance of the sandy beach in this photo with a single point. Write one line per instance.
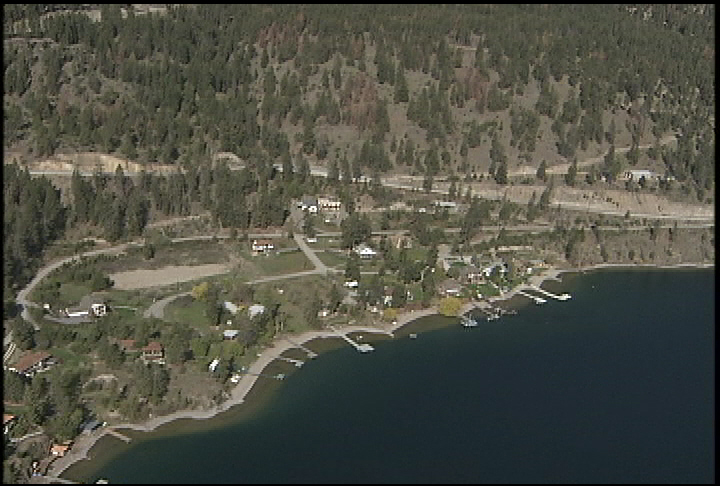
(282, 343)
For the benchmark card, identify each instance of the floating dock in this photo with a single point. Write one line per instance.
(120, 436)
(467, 321)
(279, 376)
(362, 347)
(537, 300)
(311, 354)
(553, 296)
(296, 362)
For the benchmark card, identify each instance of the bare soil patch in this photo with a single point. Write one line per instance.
(138, 279)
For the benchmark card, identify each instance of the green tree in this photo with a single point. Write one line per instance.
(571, 173)
(541, 173)
(352, 267)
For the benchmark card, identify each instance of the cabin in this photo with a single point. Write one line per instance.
(32, 363)
(153, 352)
(262, 246)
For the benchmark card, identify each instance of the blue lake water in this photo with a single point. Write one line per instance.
(614, 385)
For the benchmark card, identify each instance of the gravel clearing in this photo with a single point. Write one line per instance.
(140, 279)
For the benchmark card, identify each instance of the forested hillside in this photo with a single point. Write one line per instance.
(461, 91)
(371, 89)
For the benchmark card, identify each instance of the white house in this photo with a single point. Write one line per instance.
(365, 251)
(255, 309)
(232, 308)
(214, 364)
(230, 333)
(635, 175)
(309, 204)
(98, 310)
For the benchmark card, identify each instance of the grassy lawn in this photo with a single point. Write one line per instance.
(68, 358)
(487, 290)
(186, 310)
(331, 259)
(417, 253)
(71, 292)
(283, 263)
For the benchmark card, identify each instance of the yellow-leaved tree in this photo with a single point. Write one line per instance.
(200, 291)
(450, 306)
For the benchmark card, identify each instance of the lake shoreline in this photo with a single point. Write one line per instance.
(281, 343)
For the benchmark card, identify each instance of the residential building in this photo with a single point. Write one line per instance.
(328, 204)
(126, 345)
(59, 450)
(32, 362)
(230, 334)
(309, 204)
(99, 309)
(255, 309)
(153, 352)
(636, 174)
(8, 421)
(470, 274)
(232, 308)
(262, 246)
(365, 251)
(450, 288)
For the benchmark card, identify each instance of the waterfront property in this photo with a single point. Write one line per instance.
(59, 450)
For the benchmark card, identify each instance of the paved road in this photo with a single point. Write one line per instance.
(157, 309)
(320, 267)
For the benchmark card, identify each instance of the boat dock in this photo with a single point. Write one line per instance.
(296, 362)
(311, 354)
(54, 480)
(362, 347)
(468, 321)
(120, 436)
(545, 292)
(279, 376)
(537, 300)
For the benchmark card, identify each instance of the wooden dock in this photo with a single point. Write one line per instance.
(120, 436)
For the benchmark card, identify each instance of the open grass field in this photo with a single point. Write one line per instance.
(332, 259)
(188, 311)
(283, 263)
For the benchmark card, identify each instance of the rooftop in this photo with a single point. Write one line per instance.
(29, 360)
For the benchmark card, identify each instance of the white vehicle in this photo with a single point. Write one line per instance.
(311, 240)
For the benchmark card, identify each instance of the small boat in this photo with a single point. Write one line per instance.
(468, 322)
(413, 336)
